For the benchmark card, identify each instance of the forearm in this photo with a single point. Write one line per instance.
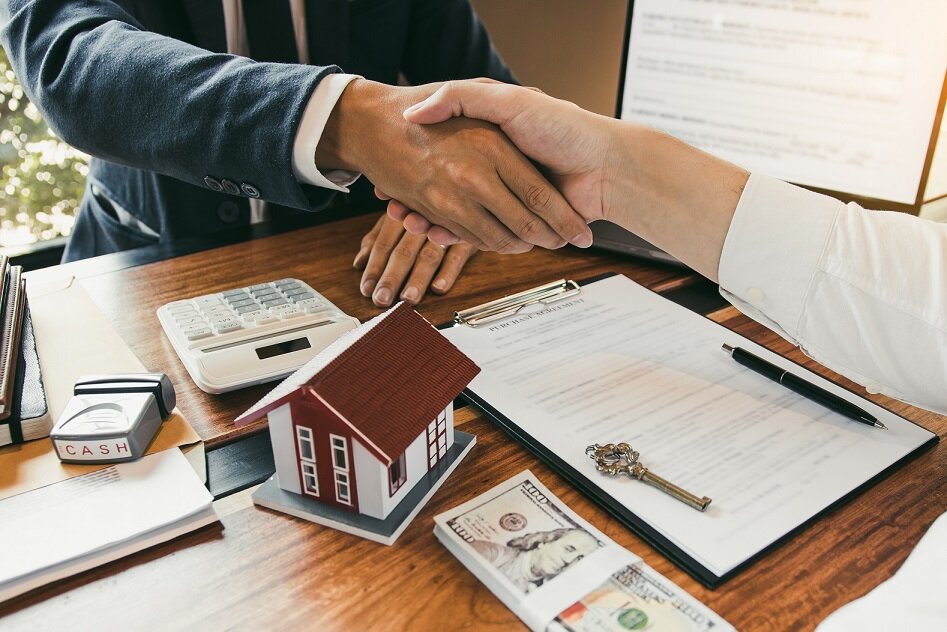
(137, 98)
(675, 196)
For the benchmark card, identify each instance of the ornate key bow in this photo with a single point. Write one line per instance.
(614, 459)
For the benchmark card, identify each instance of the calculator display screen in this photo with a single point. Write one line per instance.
(278, 349)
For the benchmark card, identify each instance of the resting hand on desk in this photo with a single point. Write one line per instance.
(392, 258)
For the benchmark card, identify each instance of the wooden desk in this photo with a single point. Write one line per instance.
(269, 570)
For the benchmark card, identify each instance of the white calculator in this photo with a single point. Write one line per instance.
(251, 335)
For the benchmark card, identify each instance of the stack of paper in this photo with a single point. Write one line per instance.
(82, 522)
(556, 572)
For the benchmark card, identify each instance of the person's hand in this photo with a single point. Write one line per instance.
(463, 175)
(573, 145)
(391, 259)
(675, 196)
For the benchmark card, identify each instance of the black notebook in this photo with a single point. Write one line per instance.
(30, 418)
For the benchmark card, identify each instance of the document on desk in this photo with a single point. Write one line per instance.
(86, 521)
(620, 363)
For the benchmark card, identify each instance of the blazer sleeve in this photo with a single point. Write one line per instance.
(447, 40)
(133, 97)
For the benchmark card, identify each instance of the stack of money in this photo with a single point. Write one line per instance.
(557, 572)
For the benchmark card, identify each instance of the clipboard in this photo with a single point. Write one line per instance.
(548, 296)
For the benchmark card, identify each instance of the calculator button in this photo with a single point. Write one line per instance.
(275, 302)
(205, 301)
(266, 320)
(291, 313)
(283, 282)
(197, 334)
(183, 306)
(317, 309)
(230, 293)
(249, 308)
(222, 328)
(299, 291)
(242, 303)
(259, 286)
(236, 298)
(308, 302)
(217, 318)
(184, 322)
(299, 298)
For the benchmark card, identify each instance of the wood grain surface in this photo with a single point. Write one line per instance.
(265, 570)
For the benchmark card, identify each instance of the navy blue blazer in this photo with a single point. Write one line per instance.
(183, 134)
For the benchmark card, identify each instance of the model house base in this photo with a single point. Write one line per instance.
(386, 531)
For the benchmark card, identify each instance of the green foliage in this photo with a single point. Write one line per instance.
(41, 177)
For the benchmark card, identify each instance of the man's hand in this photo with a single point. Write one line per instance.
(463, 175)
(574, 146)
(391, 258)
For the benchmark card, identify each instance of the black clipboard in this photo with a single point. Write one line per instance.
(548, 294)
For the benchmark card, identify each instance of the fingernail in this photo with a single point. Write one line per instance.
(413, 108)
(410, 294)
(440, 284)
(382, 296)
(367, 287)
(582, 240)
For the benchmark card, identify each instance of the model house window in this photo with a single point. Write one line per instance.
(307, 460)
(437, 438)
(397, 475)
(342, 492)
(340, 468)
(304, 439)
(340, 454)
(310, 480)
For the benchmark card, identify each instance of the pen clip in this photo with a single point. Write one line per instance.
(513, 304)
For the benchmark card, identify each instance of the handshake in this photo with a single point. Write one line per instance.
(506, 168)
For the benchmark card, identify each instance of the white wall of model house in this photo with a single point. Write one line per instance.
(371, 475)
(371, 478)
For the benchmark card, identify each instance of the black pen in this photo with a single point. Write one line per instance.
(804, 388)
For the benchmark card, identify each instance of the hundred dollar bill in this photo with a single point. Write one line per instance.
(637, 598)
(522, 533)
(522, 541)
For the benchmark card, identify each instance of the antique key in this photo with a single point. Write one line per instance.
(618, 459)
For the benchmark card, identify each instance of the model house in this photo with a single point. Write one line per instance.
(366, 422)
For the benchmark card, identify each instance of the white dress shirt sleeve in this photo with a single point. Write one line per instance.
(313, 122)
(863, 292)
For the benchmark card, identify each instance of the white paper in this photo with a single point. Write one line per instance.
(620, 363)
(60, 529)
(836, 94)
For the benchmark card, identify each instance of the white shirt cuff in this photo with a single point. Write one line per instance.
(774, 249)
(313, 122)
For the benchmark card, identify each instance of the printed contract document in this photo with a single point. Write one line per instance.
(620, 363)
(836, 94)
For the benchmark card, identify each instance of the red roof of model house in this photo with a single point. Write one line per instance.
(387, 378)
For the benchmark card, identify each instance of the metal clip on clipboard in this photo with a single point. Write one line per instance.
(513, 304)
